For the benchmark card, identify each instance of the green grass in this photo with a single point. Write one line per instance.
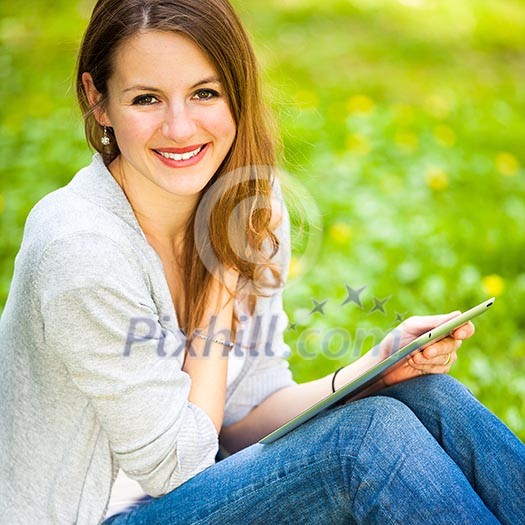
(403, 123)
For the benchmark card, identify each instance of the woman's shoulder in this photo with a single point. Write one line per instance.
(58, 212)
(70, 232)
(90, 209)
(63, 218)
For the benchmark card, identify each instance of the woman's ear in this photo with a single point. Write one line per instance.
(94, 97)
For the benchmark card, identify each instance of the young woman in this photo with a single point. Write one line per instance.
(123, 337)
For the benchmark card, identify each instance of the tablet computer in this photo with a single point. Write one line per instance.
(359, 384)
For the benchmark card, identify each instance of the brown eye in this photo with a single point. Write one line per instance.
(206, 94)
(144, 100)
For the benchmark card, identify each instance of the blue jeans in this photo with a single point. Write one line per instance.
(421, 452)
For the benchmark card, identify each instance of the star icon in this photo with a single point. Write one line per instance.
(353, 296)
(400, 317)
(318, 307)
(292, 326)
(379, 305)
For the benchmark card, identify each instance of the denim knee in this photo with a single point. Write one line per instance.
(387, 412)
(387, 423)
(439, 384)
(444, 390)
(377, 436)
(438, 400)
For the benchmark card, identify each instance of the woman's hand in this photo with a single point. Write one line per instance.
(435, 358)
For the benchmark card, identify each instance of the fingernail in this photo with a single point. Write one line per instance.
(462, 334)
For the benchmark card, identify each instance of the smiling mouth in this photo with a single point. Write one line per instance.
(181, 156)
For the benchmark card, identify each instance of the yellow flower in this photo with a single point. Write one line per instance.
(2, 205)
(357, 143)
(436, 179)
(445, 136)
(361, 104)
(407, 141)
(307, 99)
(507, 164)
(295, 267)
(340, 232)
(493, 284)
(437, 106)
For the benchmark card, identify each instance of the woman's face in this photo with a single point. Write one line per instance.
(169, 112)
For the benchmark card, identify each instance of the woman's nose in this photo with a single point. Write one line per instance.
(179, 125)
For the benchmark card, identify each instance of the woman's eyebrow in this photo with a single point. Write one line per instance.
(209, 80)
(141, 88)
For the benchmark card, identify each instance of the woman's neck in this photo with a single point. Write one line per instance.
(162, 217)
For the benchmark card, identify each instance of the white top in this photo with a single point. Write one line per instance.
(125, 491)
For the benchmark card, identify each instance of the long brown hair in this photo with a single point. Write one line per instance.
(245, 178)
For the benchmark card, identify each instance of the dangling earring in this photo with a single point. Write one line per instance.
(105, 140)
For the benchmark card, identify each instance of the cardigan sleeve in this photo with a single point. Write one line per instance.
(93, 298)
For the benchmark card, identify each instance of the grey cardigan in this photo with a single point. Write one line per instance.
(78, 399)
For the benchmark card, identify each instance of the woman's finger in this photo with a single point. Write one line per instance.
(434, 367)
(444, 346)
(411, 328)
(442, 366)
(464, 331)
(437, 358)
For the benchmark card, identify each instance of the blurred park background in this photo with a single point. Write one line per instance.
(403, 119)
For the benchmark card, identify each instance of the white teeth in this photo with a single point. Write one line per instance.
(182, 156)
